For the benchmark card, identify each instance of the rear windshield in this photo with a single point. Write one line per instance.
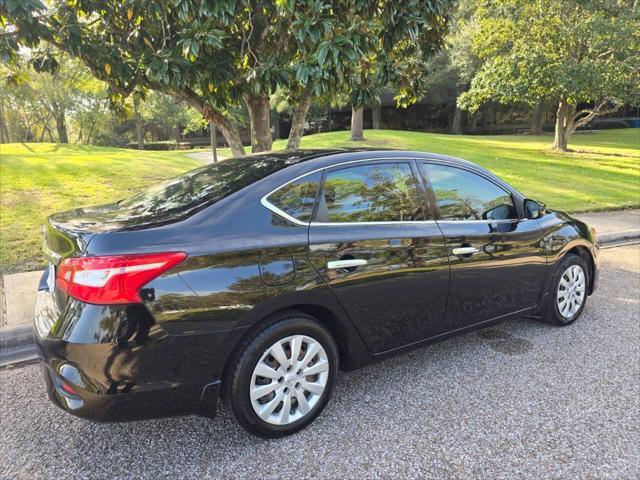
(205, 185)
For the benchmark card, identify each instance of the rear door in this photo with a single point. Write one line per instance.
(380, 252)
(497, 258)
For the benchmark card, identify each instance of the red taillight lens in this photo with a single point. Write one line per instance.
(112, 280)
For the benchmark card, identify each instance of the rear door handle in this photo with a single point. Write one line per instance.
(347, 263)
(465, 250)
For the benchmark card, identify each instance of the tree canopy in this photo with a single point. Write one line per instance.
(216, 54)
(571, 52)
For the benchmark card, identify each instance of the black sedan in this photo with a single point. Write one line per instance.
(257, 278)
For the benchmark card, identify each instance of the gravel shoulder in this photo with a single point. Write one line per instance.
(519, 400)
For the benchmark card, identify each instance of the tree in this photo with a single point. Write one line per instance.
(452, 68)
(91, 112)
(58, 93)
(572, 52)
(216, 54)
(359, 47)
(408, 35)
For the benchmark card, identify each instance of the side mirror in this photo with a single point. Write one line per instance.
(533, 209)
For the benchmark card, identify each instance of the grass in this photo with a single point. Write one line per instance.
(603, 173)
(39, 179)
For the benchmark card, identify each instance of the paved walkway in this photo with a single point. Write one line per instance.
(17, 291)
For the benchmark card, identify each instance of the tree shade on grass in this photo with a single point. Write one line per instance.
(40, 179)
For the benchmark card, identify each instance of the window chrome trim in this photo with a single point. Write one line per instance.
(411, 222)
(356, 224)
(502, 220)
(269, 206)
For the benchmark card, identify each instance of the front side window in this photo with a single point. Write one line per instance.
(297, 198)
(462, 195)
(380, 192)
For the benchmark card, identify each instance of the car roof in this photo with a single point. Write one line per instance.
(321, 158)
(302, 162)
(305, 161)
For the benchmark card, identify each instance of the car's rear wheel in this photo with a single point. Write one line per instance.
(283, 376)
(569, 291)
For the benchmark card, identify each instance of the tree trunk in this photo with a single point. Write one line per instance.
(44, 131)
(275, 125)
(229, 129)
(563, 126)
(474, 121)
(357, 122)
(536, 119)
(89, 132)
(4, 130)
(456, 128)
(376, 114)
(138, 121)
(178, 135)
(298, 121)
(260, 118)
(61, 127)
(214, 141)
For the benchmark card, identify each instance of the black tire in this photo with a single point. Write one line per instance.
(243, 363)
(552, 313)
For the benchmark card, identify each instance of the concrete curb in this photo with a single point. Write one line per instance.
(20, 335)
(16, 342)
(16, 345)
(618, 237)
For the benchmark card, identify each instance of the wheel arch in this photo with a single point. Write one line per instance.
(584, 252)
(348, 347)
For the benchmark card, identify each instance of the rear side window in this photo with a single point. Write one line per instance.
(380, 192)
(462, 195)
(205, 185)
(297, 198)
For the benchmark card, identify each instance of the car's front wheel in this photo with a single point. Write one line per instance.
(283, 376)
(569, 291)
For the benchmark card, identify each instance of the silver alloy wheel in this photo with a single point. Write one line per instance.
(571, 291)
(289, 379)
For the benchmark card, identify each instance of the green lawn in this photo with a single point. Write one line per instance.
(38, 179)
(602, 173)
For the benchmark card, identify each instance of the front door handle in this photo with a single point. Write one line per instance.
(465, 250)
(346, 263)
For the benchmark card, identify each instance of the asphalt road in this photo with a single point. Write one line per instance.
(519, 400)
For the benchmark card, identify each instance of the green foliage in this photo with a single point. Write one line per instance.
(566, 50)
(216, 53)
(452, 69)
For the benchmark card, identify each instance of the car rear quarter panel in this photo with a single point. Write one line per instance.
(251, 264)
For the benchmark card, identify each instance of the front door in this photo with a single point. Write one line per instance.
(497, 259)
(386, 263)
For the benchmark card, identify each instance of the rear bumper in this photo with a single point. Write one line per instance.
(117, 364)
(122, 406)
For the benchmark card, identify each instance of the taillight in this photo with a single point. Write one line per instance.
(114, 279)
